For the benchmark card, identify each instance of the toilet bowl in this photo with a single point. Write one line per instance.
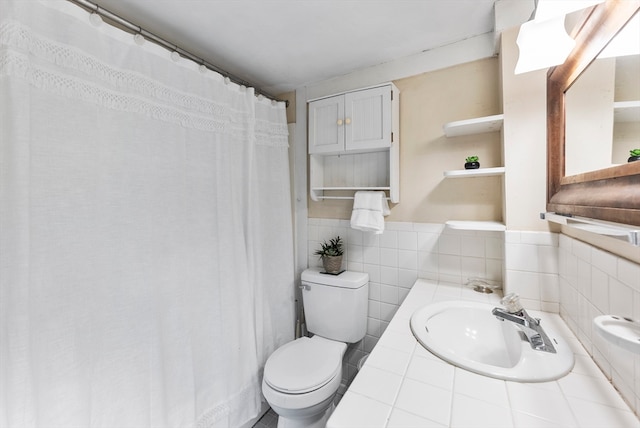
(301, 379)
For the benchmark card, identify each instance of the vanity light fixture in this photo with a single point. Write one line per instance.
(543, 42)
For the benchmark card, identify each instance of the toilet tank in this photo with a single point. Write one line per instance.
(335, 306)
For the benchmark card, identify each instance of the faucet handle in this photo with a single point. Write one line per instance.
(511, 303)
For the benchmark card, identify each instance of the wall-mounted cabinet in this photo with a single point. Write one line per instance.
(354, 143)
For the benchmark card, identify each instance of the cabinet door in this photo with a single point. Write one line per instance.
(326, 125)
(368, 119)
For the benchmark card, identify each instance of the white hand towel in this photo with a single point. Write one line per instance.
(369, 209)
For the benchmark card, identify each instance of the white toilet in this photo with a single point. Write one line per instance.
(302, 377)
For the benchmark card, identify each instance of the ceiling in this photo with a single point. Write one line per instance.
(279, 45)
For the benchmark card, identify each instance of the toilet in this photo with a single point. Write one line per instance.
(301, 378)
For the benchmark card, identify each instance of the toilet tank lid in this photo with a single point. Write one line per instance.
(346, 279)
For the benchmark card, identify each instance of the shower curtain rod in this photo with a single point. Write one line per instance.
(120, 21)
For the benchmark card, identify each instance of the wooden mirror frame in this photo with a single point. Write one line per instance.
(611, 194)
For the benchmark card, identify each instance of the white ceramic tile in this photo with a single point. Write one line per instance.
(549, 287)
(408, 240)
(440, 373)
(429, 227)
(373, 327)
(594, 415)
(629, 273)
(526, 284)
(374, 291)
(370, 414)
(389, 294)
(472, 267)
(400, 340)
(408, 259)
(512, 236)
(389, 275)
(600, 289)
(473, 246)
(428, 242)
(389, 257)
(521, 257)
(425, 400)
(582, 250)
(428, 262)
(468, 412)
(584, 365)
(399, 225)
(543, 401)
(370, 240)
(377, 384)
(592, 389)
(387, 311)
(481, 387)
(374, 309)
(494, 248)
(389, 239)
(371, 255)
(449, 244)
(583, 283)
(389, 359)
(449, 265)
(525, 420)
(373, 270)
(604, 261)
(620, 298)
(539, 238)
(548, 259)
(406, 277)
(401, 419)
(355, 253)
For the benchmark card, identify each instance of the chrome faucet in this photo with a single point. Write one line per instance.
(514, 312)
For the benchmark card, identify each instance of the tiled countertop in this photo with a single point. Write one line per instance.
(404, 385)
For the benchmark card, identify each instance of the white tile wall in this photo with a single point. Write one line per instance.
(396, 258)
(592, 283)
(550, 272)
(531, 269)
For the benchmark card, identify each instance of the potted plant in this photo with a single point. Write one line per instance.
(331, 255)
(634, 155)
(472, 162)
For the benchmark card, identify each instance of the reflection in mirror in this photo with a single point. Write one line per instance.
(603, 115)
(610, 194)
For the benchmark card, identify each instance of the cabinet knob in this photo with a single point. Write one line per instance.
(347, 121)
(339, 122)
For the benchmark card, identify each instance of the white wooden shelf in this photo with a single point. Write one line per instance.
(626, 111)
(480, 172)
(318, 192)
(474, 126)
(493, 226)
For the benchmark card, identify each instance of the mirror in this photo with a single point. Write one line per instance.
(600, 191)
(603, 115)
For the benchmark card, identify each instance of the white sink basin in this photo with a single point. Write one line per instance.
(621, 331)
(467, 335)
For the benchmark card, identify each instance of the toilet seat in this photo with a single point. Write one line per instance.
(304, 365)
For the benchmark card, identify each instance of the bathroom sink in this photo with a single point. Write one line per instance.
(621, 331)
(467, 335)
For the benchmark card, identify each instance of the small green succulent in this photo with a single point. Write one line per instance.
(472, 159)
(332, 248)
(634, 152)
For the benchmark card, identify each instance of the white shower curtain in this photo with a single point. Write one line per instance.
(140, 197)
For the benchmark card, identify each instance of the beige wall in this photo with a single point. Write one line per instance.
(525, 136)
(427, 101)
